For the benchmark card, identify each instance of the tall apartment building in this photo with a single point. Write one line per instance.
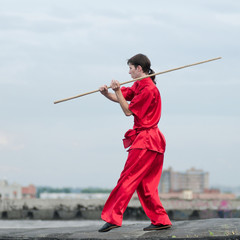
(195, 180)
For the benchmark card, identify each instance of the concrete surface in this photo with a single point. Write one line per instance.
(198, 229)
(67, 209)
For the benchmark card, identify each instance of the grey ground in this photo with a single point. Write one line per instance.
(198, 229)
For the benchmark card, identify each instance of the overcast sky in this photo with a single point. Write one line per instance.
(54, 49)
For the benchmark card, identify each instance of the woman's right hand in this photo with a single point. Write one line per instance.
(104, 90)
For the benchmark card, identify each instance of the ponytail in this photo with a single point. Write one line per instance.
(153, 77)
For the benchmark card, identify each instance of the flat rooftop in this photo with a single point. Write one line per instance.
(198, 229)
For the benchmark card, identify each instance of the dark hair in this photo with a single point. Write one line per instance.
(143, 61)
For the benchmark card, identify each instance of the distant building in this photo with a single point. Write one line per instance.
(16, 191)
(10, 191)
(29, 192)
(193, 180)
(189, 195)
(86, 196)
(192, 184)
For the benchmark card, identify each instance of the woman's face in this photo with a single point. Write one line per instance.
(135, 72)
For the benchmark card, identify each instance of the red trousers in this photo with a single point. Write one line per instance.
(142, 172)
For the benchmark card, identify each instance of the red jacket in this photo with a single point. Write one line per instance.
(145, 103)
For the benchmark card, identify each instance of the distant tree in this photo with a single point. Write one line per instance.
(46, 189)
(96, 190)
(52, 190)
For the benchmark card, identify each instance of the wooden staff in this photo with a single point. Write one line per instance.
(136, 79)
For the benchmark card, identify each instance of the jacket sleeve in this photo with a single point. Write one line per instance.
(128, 93)
(141, 102)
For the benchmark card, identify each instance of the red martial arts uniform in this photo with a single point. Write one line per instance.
(143, 168)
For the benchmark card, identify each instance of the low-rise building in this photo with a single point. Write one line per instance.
(16, 191)
(10, 191)
(29, 191)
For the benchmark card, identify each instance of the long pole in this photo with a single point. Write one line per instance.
(136, 79)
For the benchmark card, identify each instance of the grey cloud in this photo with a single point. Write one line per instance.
(56, 49)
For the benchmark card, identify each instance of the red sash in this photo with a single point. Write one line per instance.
(131, 135)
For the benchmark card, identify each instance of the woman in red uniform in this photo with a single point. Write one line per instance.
(143, 168)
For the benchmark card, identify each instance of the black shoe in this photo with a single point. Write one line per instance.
(107, 227)
(156, 227)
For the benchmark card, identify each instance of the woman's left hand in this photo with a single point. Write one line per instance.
(115, 85)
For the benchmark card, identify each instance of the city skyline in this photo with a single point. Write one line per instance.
(101, 188)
